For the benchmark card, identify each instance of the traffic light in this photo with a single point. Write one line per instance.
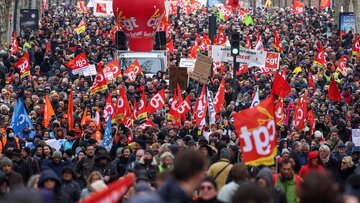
(235, 43)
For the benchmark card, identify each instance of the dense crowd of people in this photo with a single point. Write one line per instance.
(179, 161)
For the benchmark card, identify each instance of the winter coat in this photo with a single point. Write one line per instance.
(151, 169)
(83, 167)
(305, 170)
(57, 168)
(23, 168)
(121, 165)
(107, 170)
(216, 168)
(169, 192)
(344, 174)
(15, 180)
(72, 189)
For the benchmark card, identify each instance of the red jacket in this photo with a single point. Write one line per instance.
(305, 170)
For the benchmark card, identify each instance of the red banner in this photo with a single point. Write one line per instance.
(219, 98)
(114, 192)
(300, 113)
(257, 133)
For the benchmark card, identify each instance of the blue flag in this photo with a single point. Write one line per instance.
(20, 118)
(107, 135)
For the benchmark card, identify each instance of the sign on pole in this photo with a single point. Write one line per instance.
(202, 69)
(178, 75)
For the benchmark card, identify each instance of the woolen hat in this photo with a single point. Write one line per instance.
(57, 154)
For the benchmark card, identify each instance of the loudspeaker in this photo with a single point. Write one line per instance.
(121, 40)
(160, 40)
(212, 27)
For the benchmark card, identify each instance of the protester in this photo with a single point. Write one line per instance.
(207, 191)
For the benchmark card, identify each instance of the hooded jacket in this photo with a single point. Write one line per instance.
(108, 170)
(277, 195)
(59, 195)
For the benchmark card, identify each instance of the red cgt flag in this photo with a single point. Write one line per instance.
(170, 46)
(243, 68)
(14, 44)
(279, 111)
(257, 133)
(311, 82)
(156, 102)
(220, 38)
(78, 62)
(205, 43)
(109, 107)
(320, 59)
(112, 70)
(24, 65)
(280, 87)
(142, 113)
(356, 46)
(333, 92)
(300, 113)
(99, 84)
(298, 7)
(219, 98)
(133, 70)
(342, 66)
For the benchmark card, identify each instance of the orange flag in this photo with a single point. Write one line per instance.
(71, 111)
(83, 119)
(277, 42)
(48, 112)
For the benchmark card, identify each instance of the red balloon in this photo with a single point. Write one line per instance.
(139, 20)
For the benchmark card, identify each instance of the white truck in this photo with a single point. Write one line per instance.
(150, 62)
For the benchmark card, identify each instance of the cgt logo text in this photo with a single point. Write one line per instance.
(131, 24)
(260, 138)
(272, 60)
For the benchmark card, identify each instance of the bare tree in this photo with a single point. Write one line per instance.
(346, 6)
(356, 5)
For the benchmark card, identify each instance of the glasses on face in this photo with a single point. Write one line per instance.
(343, 162)
(206, 187)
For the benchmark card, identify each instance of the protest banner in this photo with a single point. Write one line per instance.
(179, 76)
(356, 137)
(187, 63)
(202, 69)
(250, 57)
